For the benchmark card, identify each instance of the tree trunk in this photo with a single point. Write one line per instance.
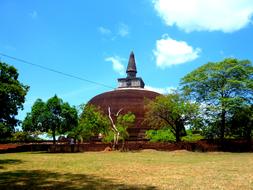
(178, 139)
(114, 129)
(53, 136)
(178, 128)
(223, 124)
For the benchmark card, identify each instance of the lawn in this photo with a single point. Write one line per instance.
(132, 170)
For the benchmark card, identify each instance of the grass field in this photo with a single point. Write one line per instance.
(132, 170)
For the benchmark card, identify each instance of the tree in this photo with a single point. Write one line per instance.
(12, 97)
(119, 126)
(171, 111)
(221, 86)
(53, 116)
(91, 123)
(123, 123)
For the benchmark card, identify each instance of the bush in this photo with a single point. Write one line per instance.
(192, 136)
(109, 137)
(161, 135)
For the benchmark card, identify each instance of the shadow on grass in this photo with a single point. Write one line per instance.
(40, 179)
(9, 161)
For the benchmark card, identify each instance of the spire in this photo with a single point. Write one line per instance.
(131, 81)
(131, 67)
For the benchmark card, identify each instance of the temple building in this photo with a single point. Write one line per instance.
(129, 96)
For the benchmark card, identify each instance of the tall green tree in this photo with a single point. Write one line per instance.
(12, 97)
(221, 86)
(171, 111)
(53, 116)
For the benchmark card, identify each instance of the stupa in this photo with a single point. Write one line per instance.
(130, 97)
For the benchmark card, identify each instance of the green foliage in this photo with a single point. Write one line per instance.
(53, 116)
(109, 137)
(34, 120)
(211, 131)
(241, 123)
(173, 112)
(22, 136)
(5, 131)
(220, 87)
(165, 135)
(192, 136)
(12, 97)
(160, 135)
(92, 122)
(123, 123)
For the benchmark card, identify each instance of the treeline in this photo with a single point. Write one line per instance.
(213, 102)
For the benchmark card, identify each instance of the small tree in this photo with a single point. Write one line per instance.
(12, 97)
(171, 111)
(91, 123)
(54, 116)
(119, 126)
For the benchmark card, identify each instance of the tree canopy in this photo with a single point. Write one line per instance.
(221, 87)
(12, 97)
(53, 116)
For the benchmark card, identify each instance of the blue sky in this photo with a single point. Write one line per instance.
(93, 40)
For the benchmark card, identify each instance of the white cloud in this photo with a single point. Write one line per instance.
(123, 30)
(33, 14)
(116, 64)
(104, 31)
(171, 52)
(205, 15)
(165, 90)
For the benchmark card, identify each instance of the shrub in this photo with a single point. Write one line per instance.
(192, 136)
(161, 135)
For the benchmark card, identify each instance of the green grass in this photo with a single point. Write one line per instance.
(131, 170)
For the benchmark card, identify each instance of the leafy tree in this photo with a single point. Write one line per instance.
(123, 123)
(33, 120)
(220, 87)
(172, 112)
(53, 116)
(119, 125)
(12, 97)
(91, 123)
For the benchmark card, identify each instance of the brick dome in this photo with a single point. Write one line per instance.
(128, 99)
